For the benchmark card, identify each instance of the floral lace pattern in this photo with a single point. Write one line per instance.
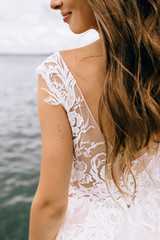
(92, 212)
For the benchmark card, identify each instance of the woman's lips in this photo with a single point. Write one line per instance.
(66, 16)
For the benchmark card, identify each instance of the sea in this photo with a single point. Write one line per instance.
(20, 143)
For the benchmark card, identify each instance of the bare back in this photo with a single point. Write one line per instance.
(87, 66)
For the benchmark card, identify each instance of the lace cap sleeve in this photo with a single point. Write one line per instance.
(52, 73)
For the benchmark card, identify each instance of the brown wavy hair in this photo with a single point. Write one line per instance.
(130, 32)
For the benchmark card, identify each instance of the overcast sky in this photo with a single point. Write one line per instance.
(32, 27)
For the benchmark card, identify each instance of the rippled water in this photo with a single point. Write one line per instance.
(20, 143)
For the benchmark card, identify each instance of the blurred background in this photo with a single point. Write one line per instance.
(29, 32)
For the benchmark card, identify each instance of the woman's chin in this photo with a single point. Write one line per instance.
(78, 30)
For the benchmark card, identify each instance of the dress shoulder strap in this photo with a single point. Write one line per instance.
(60, 84)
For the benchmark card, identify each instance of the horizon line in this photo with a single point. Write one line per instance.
(25, 54)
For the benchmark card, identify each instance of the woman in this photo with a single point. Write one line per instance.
(100, 171)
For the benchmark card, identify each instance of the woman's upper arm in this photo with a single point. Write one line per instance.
(57, 151)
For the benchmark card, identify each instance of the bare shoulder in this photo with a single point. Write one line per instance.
(72, 56)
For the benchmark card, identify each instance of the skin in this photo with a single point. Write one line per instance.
(82, 18)
(51, 199)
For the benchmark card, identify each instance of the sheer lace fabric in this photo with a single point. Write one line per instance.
(92, 213)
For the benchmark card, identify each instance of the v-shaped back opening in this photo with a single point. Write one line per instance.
(97, 125)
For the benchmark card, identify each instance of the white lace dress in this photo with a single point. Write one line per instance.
(92, 214)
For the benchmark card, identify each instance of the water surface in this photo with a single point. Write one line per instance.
(20, 143)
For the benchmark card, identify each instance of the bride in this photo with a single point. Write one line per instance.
(99, 113)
